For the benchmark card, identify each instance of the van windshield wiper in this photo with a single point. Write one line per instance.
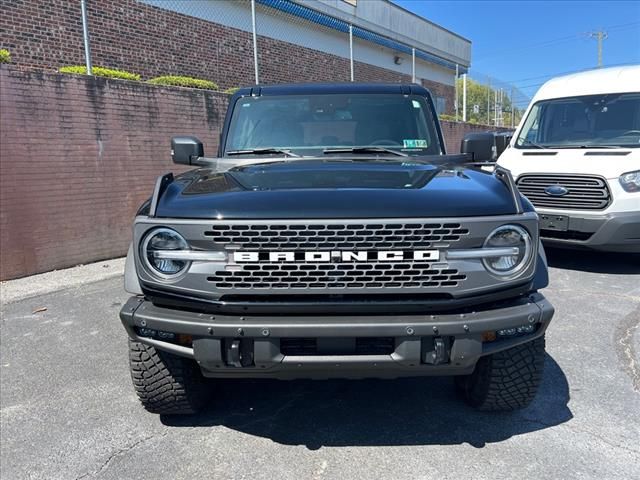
(585, 146)
(363, 150)
(261, 151)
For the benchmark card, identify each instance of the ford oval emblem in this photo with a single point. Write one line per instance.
(556, 190)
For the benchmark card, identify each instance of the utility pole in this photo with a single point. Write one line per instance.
(600, 35)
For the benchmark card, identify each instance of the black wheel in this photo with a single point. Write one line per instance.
(506, 380)
(166, 383)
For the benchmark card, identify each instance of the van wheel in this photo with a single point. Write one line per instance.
(506, 380)
(165, 383)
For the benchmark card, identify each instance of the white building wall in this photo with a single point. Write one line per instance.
(397, 23)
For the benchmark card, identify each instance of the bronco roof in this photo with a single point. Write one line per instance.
(319, 88)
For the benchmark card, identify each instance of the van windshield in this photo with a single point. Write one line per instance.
(313, 124)
(611, 120)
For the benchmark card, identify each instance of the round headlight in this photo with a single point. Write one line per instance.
(156, 252)
(512, 237)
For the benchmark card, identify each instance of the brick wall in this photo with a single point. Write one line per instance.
(78, 156)
(47, 34)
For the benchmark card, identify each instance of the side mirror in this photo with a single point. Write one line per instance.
(185, 150)
(480, 146)
(502, 142)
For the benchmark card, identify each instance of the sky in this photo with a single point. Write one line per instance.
(527, 42)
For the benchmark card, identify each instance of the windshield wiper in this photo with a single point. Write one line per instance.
(585, 146)
(363, 150)
(261, 151)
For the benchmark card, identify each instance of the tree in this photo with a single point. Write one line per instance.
(479, 96)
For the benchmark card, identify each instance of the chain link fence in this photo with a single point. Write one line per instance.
(294, 40)
(487, 100)
(234, 43)
(240, 42)
(243, 42)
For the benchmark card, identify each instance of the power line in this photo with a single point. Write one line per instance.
(547, 76)
(548, 43)
(556, 41)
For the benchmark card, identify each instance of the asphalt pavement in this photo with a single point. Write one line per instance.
(68, 409)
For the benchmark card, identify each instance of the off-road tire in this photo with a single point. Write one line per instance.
(506, 380)
(165, 383)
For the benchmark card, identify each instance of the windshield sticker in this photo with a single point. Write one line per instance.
(415, 143)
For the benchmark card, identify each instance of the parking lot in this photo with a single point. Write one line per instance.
(68, 409)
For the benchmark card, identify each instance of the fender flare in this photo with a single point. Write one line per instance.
(131, 282)
(541, 277)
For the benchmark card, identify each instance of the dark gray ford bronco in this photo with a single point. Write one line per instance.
(332, 237)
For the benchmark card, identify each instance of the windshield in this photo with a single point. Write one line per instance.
(611, 120)
(315, 124)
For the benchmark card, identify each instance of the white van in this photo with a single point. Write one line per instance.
(576, 157)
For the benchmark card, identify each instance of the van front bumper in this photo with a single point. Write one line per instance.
(418, 345)
(615, 232)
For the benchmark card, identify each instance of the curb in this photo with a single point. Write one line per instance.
(43, 283)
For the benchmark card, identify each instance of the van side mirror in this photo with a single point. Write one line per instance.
(186, 150)
(480, 146)
(502, 140)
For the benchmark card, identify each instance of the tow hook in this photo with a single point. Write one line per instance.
(438, 355)
(239, 352)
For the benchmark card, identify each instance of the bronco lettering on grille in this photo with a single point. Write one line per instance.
(337, 256)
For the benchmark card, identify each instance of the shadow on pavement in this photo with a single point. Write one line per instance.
(417, 411)
(594, 261)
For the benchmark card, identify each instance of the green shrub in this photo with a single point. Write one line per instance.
(5, 56)
(179, 81)
(231, 90)
(449, 118)
(100, 72)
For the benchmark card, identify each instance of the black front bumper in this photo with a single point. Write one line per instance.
(414, 339)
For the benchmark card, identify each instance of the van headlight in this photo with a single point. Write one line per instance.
(630, 181)
(510, 265)
(155, 251)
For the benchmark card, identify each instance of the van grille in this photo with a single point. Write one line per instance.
(584, 192)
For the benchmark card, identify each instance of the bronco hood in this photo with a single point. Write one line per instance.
(335, 188)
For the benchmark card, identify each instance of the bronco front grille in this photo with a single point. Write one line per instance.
(352, 236)
(584, 192)
(336, 276)
(349, 236)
